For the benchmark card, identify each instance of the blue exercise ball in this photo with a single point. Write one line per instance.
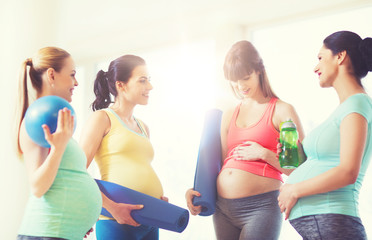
(45, 111)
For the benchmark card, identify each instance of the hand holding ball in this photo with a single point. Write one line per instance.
(45, 111)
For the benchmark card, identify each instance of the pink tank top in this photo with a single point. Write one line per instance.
(263, 133)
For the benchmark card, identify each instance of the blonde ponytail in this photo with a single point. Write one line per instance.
(48, 57)
(23, 101)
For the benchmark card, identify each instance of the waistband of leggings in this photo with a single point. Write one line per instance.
(272, 194)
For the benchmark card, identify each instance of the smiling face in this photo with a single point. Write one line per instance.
(249, 86)
(327, 67)
(64, 80)
(138, 87)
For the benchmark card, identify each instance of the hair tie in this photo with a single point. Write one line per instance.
(102, 73)
(105, 75)
(29, 62)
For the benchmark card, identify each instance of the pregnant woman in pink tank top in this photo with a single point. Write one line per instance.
(248, 184)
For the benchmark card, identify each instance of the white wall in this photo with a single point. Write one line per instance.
(25, 28)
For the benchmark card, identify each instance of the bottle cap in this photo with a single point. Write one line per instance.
(288, 124)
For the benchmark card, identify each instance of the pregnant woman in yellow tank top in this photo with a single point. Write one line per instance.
(120, 144)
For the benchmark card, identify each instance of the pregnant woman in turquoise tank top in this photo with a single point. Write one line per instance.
(321, 196)
(65, 201)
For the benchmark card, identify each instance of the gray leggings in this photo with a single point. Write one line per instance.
(329, 226)
(255, 218)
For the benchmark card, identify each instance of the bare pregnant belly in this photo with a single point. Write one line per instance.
(235, 183)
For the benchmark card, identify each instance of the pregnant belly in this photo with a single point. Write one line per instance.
(235, 183)
(141, 178)
(72, 204)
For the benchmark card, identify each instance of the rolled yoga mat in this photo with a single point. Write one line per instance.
(155, 212)
(209, 163)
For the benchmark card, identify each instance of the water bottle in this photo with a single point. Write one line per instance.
(288, 157)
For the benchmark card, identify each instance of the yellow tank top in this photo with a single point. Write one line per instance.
(124, 157)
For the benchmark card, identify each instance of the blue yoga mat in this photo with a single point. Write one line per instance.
(209, 163)
(156, 212)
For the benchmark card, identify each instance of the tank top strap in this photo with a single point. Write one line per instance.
(234, 116)
(268, 116)
(141, 125)
(111, 115)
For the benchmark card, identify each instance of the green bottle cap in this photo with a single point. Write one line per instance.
(287, 124)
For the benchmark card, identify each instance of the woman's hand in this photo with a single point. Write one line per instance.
(300, 150)
(164, 198)
(190, 194)
(278, 149)
(89, 232)
(64, 131)
(249, 151)
(121, 213)
(287, 199)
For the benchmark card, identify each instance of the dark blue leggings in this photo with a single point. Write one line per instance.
(110, 229)
(329, 226)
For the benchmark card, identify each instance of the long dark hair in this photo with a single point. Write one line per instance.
(358, 49)
(120, 69)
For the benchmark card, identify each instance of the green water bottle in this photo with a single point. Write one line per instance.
(288, 157)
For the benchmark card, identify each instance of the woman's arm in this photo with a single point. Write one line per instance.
(42, 164)
(283, 112)
(353, 135)
(94, 130)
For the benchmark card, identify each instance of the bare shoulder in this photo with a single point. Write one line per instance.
(228, 112)
(29, 147)
(283, 108)
(100, 116)
(283, 112)
(98, 122)
(226, 116)
(24, 140)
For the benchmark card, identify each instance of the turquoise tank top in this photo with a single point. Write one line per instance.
(72, 204)
(322, 148)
